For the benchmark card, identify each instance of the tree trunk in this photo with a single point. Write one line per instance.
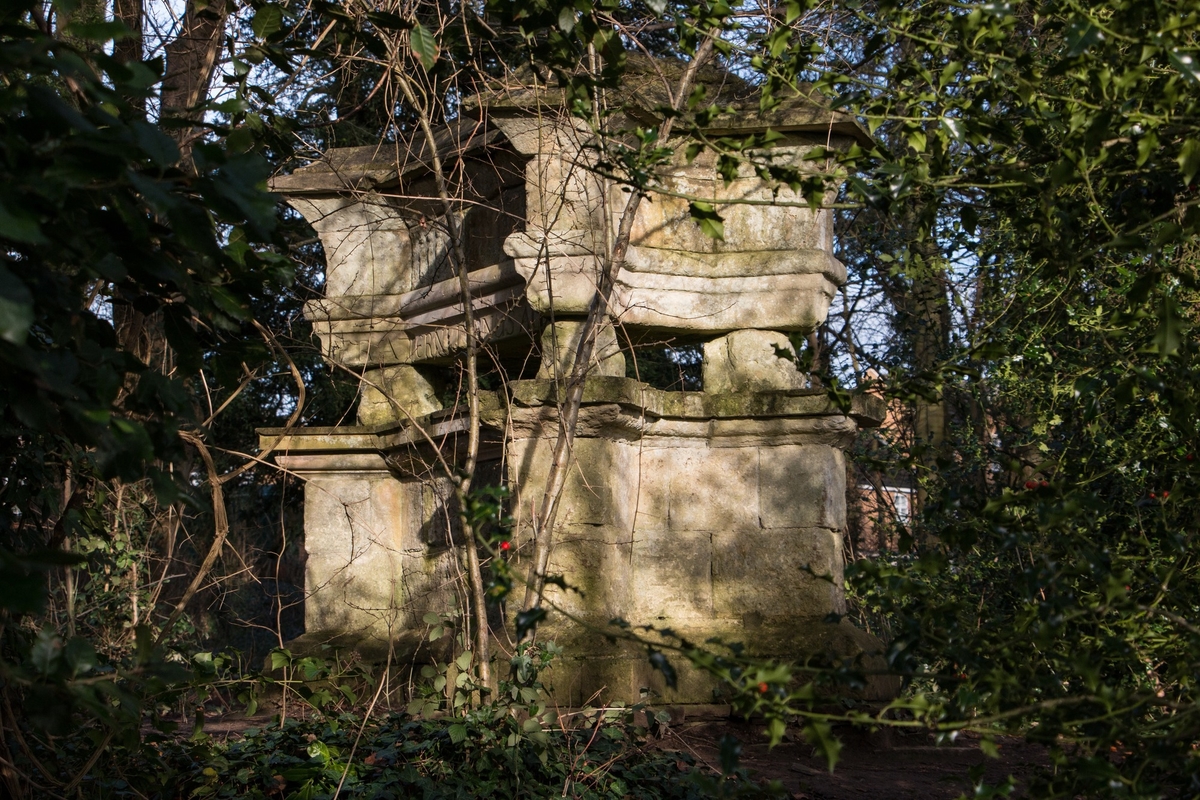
(131, 13)
(923, 317)
(191, 61)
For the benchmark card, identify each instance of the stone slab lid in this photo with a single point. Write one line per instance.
(643, 94)
(343, 169)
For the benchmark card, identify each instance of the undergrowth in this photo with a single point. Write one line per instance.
(483, 754)
(490, 752)
(452, 741)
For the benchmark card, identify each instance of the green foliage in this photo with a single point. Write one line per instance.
(514, 746)
(100, 221)
(1059, 602)
(1046, 589)
(399, 756)
(143, 232)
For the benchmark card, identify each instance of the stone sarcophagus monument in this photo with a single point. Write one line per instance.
(715, 513)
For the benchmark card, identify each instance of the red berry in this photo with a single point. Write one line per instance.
(1153, 495)
(1045, 484)
(1030, 484)
(762, 688)
(1191, 457)
(1165, 495)
(505, 544)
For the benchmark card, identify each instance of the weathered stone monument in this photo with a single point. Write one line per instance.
(715, 513)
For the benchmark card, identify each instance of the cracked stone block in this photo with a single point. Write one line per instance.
(751, 361)
(396, 394)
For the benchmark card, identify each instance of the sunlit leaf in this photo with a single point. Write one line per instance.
(267, 20)
(424, 46)
(711, 223)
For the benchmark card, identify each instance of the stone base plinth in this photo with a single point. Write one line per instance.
(712, 515)
(621, 672)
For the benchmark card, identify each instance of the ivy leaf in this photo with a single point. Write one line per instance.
(710, 222)
(458, 732)
(424, 46)
(778, 41)
(280, 659)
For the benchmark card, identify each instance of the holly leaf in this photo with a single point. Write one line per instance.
(46, 651)
(20, 226)
(1170, 329)
(566, 19)
(16, 308)
(821, 737)
(711, 223)
(1189, 159)
(1187, 64)
(267, 20)
(730, 754)
(1081, 35)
